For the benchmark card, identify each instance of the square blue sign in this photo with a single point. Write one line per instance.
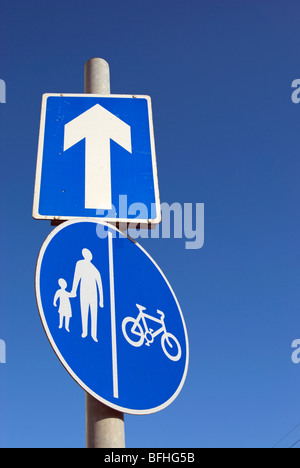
(96, 159)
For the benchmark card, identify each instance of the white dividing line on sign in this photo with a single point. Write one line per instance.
(113, 316)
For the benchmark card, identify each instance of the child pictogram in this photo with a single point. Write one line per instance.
(65, 310)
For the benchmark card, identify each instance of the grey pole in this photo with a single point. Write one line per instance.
(104, 425)
(96, 76)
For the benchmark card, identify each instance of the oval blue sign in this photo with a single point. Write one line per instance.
(111, 317)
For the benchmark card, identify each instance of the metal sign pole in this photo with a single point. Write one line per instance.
(104, 425)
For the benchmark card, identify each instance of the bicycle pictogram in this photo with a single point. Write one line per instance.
(136, 332)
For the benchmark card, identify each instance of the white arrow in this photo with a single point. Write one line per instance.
(98, 126)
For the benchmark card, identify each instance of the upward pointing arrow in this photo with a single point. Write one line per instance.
(98, 126)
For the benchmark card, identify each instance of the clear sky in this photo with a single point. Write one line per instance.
(227, 135)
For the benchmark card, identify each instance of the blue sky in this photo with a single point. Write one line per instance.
(227, 135)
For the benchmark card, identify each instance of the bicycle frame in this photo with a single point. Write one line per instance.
(142, 317)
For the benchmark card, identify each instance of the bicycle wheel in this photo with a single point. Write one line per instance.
(133, 332)
(171, 347)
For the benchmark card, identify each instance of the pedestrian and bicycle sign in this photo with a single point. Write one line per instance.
(111, 317)
(96, 158)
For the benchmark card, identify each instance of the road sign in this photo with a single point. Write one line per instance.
(111, 317)
(96, 159)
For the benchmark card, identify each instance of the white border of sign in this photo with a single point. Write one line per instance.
(56, 350)
(36, 200)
